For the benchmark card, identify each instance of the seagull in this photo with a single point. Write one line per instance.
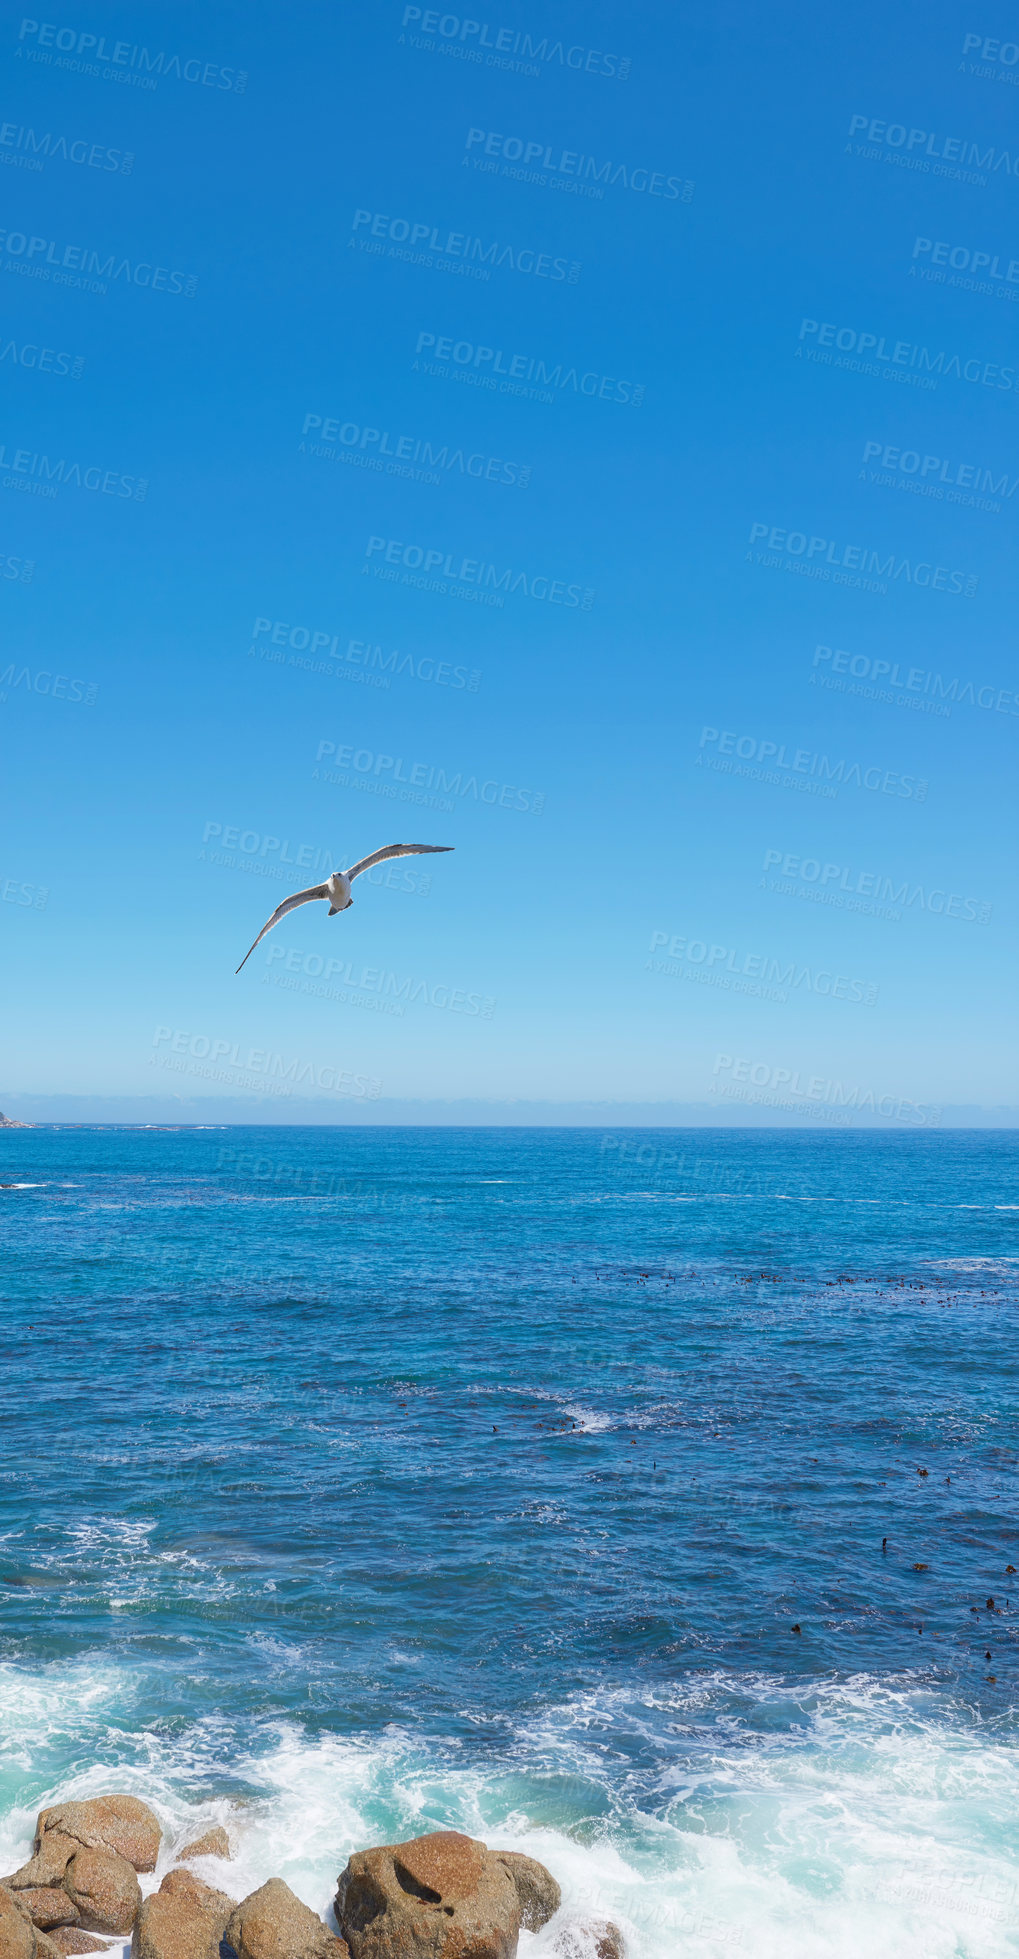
(337, 887)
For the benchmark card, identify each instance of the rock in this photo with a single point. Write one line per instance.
(77, 1876)
(215, 1843)
(184, 1919)
(538, 1894)
(119, 1823)
(17, 1932)
(273, 1924)
(187, 1884)
(590, 1938)
(105, 1889)
(48, 1905)
(442, 1894)
(47, 1864)
(69, 1938)
(19, 1938)
(67, 1884)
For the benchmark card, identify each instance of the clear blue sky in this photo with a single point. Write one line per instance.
(571, 249)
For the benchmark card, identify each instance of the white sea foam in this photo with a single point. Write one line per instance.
(818, 1820)
(1005, 1267)
(590, 1421)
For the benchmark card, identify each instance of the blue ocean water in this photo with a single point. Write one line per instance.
(535, 1482)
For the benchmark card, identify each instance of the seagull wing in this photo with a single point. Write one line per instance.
(395, 850)
(299, 898)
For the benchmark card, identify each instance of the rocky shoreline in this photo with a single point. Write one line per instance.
(439, 1896)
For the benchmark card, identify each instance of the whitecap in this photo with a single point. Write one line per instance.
(805, 1816)
(590, 1421)
(1003, 1264)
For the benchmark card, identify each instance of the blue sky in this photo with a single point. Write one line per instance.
(603, 423)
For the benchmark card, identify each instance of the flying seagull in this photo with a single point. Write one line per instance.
(337, 887)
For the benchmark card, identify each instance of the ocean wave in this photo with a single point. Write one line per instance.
(1006, 1267)
(808, 1817)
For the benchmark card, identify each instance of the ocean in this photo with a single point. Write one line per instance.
(643, 1500)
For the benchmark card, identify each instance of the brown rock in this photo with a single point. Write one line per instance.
(119, 1823)
(19, 1938)
(48, 1905)
(70, 1882)
(17, 1932)
(47, 1864)
(215, 1843)
(187, 1884)
(45, 1948)
(590, 1938)
(69, 1938)
(273, 1924)
(105, 1889)
(441, 1896)
(184, 1919)
(538, 1894)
